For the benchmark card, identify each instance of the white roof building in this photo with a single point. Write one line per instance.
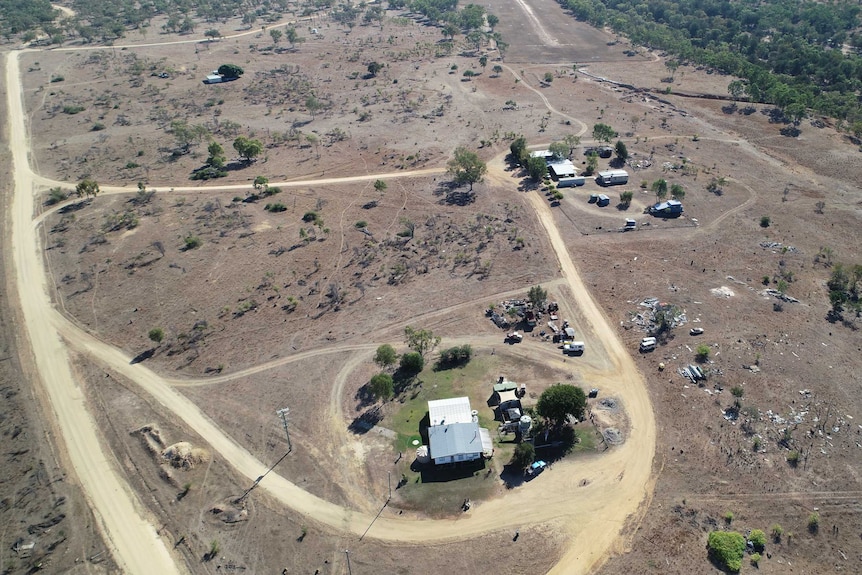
(562, 168)
(450, 410)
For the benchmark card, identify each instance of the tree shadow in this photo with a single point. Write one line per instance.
(143, 356)
(365, 421)
(74, 207)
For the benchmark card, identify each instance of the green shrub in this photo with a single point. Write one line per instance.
(728, 517)
(192, 242)
(755, 559)
(765, 221)
(72, 110)
(309, 217)
(98, 127)
(726, 548)
(361, 224)
(277, 207)
(55, 79)
(777, 531)
(793, 458)
(814, 522)
(56, 195)
(702, 353)
(758, 539)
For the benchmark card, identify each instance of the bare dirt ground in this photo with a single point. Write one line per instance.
(256, 293)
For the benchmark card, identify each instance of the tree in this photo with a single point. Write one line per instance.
(247, 148)
(156, 335)
(677, 192)
(765, 221)
(603, 133)
(659, 187)
(216, 157)
(293, 37)
(492, 21)
(422, 341)
(518, 148)
(702, 353)
(559, 150)
(86, 188)
(412, 363)
(313, 104)
(622, 151)
(592, 163)
(449, 30)
(537, 296)
(671, 66)
(626, 198)
(374, 68)
(572, 141)
(380, 185)
(260, 183)
(560, 401)
(385, 356)
(466, 167)
(455, 356)
(497, 69)
(483, 61)
(276, 35)
(726, 548)
(230, 71)
(736, 89)
(523, 456)
(536, 168)
(212, 34)
(381, 386)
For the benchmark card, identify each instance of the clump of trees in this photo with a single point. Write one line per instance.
(456, 356)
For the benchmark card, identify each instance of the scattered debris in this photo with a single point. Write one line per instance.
(722, 291)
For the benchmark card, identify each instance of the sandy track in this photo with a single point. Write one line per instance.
(134, 542)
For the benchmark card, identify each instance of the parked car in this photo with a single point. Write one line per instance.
(594, 392)
(695, 331)
(536, 468)
(514, 337)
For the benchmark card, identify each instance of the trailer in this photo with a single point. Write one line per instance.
(612, 177)
(571, 182)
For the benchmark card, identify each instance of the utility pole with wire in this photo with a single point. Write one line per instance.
(347, 553)
(284, 413)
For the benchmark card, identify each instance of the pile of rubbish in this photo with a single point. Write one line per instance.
(646, 320)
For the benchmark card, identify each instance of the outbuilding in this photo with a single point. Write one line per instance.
(562, 169)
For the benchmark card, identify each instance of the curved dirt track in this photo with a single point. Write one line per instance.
(128, 531)
(596, 498)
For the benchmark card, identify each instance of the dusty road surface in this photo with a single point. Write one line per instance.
(135, 544)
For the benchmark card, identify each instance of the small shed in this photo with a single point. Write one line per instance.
(570, 333)
(603, 200)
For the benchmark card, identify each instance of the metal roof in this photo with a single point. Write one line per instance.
(454, 439)
(450, 410)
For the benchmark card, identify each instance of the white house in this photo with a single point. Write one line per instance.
(454, 435)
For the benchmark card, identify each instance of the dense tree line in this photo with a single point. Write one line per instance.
(17, 16)
(789, 53)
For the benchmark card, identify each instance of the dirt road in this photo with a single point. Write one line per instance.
(136, 547)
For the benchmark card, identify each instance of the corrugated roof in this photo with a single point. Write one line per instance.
(450, 410)
(454, 439)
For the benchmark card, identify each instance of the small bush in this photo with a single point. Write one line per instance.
(765, 221)
(192, 242)
(309, 217)
(813, 522)
(755, 559)
(72, 110)
(98, 127)
(361, 225)
(727, 548)
(277, 207)
(55, 79)
(777, 531)
(132, 165)
(793, 458)
(728, 517)
(702, 353)
(56, 195)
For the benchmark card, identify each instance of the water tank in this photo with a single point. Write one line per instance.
(475, 416)
(524, 424)
(422, 455)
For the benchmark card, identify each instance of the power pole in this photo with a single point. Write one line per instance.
(390, 487)
(284, 413)
(347, 553)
